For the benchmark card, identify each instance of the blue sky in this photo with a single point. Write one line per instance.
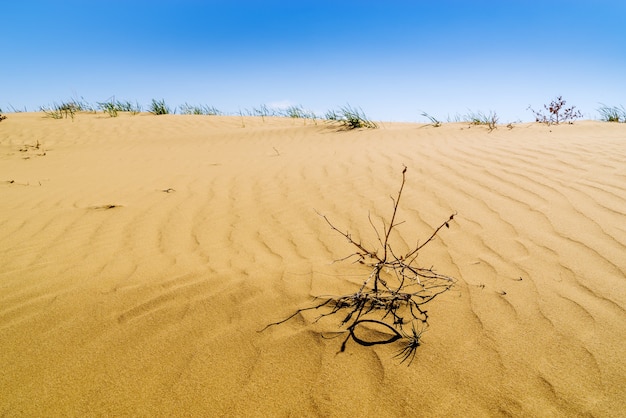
(394, 59)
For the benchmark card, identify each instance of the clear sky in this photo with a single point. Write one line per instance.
(394, 59)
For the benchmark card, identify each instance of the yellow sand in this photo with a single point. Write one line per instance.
(140, 255)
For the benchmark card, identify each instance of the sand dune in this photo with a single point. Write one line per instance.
(141, 255)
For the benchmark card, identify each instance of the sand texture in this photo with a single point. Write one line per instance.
(141, 255)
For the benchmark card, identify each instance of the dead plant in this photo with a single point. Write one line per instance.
(393, 296)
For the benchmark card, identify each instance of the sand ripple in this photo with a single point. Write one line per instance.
(140, 256)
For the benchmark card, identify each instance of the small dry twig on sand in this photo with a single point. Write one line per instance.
(393, 295)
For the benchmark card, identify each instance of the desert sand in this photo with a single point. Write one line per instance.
(140, 256)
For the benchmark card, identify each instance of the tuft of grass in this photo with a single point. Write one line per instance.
(298, 112)
(433, 120)
(612, 113)
(262, 111)
(2, 117)
(112, 107)
(350, 118)
(479, 118)
(108, 107)
(158, 107)
(188, 109)
(331, 115)
(295, 112)
(55, 111)
(15, 110)
(67, 109)
(127, 106)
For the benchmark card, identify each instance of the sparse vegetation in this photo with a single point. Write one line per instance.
(108, 107)
(112, 107)
(262, 111)
(2, 117)
(133, 109)
(612, 113)
(392, 297)
(557, 113)
(243, 122)
(296, 112)
(16, 110)
(57, 112)
(188, 109)
(479, 118)
(350, 118)
(158, 107)
(452, 119)
(347, 117)
(331, 115)
(433, 120)
(64, 109)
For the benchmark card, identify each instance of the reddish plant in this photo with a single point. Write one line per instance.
(557, 113)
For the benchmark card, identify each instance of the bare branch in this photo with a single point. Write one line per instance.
(296, 313)
(395, 210)
(350, 240)
(369, 217)
(446, 224)
(394, 293)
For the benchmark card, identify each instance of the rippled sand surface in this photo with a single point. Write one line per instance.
(141, 255)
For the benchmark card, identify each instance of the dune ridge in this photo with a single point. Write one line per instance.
(141, 254)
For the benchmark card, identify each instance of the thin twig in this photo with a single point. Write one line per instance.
(395, 210)
(446, 224)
